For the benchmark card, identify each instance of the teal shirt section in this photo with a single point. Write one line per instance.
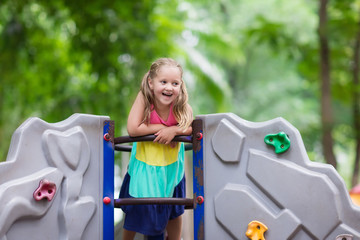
(154, 181)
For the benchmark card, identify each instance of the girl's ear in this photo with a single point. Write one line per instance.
(150, 83)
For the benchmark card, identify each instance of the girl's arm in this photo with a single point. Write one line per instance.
(135, 126)
(165, 135)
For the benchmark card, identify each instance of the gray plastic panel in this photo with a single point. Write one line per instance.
(245, 180)
(68, 154)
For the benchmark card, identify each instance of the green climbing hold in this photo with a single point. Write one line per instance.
(280, 141)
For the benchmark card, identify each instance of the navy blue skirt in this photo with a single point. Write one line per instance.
(150, 219)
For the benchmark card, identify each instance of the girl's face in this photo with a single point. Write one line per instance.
(166, 85)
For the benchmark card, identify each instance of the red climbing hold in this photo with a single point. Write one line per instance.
(46, 189)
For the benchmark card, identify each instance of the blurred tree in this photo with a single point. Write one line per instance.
(344, 41)
(258, 59)
(325, 79)
(277, 54)
(356, 105)
(62, 57)
(259, 52)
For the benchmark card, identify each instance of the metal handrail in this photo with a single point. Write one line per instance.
(147, 138)
(187, 202)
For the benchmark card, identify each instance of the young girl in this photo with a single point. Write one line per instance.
(156, 169)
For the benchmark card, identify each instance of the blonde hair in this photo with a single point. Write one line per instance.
(181, 110)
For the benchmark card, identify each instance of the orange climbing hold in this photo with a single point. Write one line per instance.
(256, 230)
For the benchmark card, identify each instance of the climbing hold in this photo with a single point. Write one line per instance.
(280, 141)
(256, 230)
(344, 237)
(199, 136)
(46, 189)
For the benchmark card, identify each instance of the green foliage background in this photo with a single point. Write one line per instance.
(257, 59)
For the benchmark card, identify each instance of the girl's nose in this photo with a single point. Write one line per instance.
(168, 86)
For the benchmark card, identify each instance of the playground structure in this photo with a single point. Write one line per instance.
(251, 180)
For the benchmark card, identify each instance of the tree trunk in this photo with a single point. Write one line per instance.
(356, 106)
(326, 109)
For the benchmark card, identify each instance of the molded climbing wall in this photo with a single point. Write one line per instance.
(261, 172)
(256, 175)
(51, 182)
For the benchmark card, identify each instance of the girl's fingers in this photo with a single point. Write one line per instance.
(160, 140)
(156, 139)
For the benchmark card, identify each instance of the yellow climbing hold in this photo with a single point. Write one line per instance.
(256, 230)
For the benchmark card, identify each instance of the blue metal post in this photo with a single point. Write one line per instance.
(198, 188)
(108, 181)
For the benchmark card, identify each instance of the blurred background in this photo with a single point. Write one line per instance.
(259, 59)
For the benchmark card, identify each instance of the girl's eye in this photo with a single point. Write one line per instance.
(163, 82)
(175, 83)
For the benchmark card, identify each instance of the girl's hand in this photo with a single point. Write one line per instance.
(165, 135)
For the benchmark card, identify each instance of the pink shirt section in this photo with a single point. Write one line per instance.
(156, 119)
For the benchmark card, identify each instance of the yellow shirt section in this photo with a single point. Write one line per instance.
(157, 154)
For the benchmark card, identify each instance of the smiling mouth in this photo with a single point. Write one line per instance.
(167, 94)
